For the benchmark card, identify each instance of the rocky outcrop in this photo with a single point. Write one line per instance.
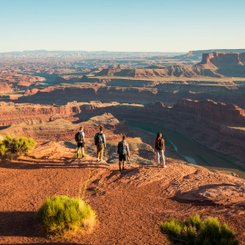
(223, 59)
(169, 71)
(225, 190)
(226, 64)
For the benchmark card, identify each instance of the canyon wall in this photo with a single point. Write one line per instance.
(168, 93)
(226, 64)
(27, 113)
(213, 111)
(218, 126)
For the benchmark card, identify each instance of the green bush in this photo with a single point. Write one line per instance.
(173, 226)
(194, 231)
(2, 149)
(11, 147)
(61, 215)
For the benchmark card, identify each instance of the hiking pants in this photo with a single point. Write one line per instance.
(100, 151)
(160, 157)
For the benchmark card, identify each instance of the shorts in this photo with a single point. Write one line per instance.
(122, 157)
(80, 145)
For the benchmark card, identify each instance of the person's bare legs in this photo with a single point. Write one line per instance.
(83, 152)
(98, 154)
(120, 167)
(78, 148)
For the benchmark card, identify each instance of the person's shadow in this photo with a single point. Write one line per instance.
(70, 145)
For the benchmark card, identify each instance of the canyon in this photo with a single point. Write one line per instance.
(199, 100)
(195, 99)
(218, 126)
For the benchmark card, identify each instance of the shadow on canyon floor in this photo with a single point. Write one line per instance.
(18, 223)
(67, 163)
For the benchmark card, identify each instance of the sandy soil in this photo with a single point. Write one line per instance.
(129, 206)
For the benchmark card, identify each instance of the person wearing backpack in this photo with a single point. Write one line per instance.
(123, 152)
(160, 149)
(80, 139)
(100, 142)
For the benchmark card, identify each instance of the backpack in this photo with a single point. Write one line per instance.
(122, 148)
(99, 139)
(79, 137)
(159, 144)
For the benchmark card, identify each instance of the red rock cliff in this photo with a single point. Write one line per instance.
(223, 59)
(211, 110)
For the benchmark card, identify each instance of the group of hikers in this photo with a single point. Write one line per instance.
(122, 147)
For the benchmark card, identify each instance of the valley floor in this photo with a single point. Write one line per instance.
(129, 206)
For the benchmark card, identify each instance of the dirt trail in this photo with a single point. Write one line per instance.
(129, 206)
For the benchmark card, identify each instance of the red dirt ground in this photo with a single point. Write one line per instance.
(129, 206)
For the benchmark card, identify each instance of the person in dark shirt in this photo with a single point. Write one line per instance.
(123, 152)
(100, 142)
(160, 149)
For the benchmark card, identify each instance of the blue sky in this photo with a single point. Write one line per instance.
(121, 25)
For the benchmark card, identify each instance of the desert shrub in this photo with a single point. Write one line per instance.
(173, 227)
(195, 231)
(2, 149)
(61, 215)
(11, 147)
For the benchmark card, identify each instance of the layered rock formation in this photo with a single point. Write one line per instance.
(213, 111)
(213, 64)
(223, 59)
(26, 113)
(226, 64)
(169, 71)
(197, 54)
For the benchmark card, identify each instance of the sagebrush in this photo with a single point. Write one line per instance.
(195, 231)
(62, 215)
(15, 146)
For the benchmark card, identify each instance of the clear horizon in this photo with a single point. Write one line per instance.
(121, 26)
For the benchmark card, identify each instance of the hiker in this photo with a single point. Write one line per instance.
(160, 149)
(80, 139)
(123, 152)
(100, 142)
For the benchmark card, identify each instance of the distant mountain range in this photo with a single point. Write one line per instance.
(85, 54)
(191, 55)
